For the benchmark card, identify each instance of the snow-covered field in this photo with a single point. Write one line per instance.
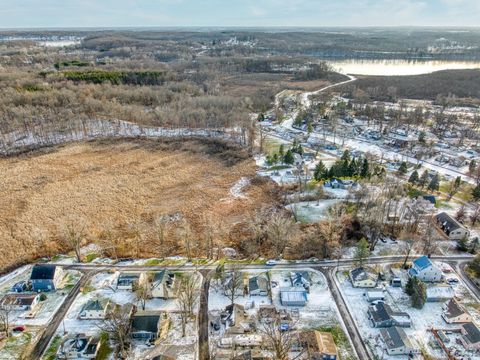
(312, 211)
(422, 320)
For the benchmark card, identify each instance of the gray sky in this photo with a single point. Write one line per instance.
(118, 13)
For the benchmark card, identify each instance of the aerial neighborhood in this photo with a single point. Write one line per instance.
(239, 193)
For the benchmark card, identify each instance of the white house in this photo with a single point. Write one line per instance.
(162, 284)
(425, 270)
(94, 309)
(20, 302)
(126, 281)
(397, 342)
(451, 227)
(363, 278)
(454, 313)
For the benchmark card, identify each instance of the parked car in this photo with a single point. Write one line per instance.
(270, 263)
(18, 328)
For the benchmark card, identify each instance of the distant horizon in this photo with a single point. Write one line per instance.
(233, 27)
(113, 14)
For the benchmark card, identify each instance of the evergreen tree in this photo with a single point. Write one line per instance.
(421, 137)
(434, 183)
(352, 168)
(413, 177)
(402, 170)
(261, 117)
(365, 172)
(288, 158)
(462, 244)
(423, 181)
(320, 172)
(476, 193)
(362, 252)
(281, 150)
(409, 286)
(419, 296)
(472, 166)
(309, 128)
(346, 156)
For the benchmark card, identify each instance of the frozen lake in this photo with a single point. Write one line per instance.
(399, 67)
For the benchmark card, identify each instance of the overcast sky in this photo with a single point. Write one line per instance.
(119, 13)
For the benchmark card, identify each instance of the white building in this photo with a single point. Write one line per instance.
(425, 270)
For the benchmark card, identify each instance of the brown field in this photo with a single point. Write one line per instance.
(116, 192)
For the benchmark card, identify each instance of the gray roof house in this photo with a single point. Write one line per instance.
(301, 279)
(94, 309)
(470, 336)
(451, 227)
(290, 296)
(145, 326)
(397, 342)
(363, 278)
(79, 346)
(382, 315)
(125, 281)
(258, 285)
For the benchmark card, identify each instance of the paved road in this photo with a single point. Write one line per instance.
(460, 269)
(203, 324)
(52, 327)
(280, 265)
(354, 334)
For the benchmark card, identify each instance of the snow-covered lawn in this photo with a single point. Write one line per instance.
(312, 211)
(422, 320)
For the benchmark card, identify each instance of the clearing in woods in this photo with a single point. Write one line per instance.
(117, 190)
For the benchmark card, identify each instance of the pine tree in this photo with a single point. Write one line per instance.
(472, 166)
(320, 172)
(309, 128)
(409, 286)
(419, 296)
(476, 193)
(346, 156)
(421, 137)
(402, 170)
(352, 168)
(365, 172)
(362, 252)
(434, 184)
(281, 150)
(413, 177)
(423, 179)
(288, 158)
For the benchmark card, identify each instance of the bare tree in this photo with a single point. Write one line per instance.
(187, 298)
(74, 237)
(233, 283)
(278, 339)
(5, 312)
(407, 247)
(117, 324)
(280, 231)
(475, 214)
(141, 289)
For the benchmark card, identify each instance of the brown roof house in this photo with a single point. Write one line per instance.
(454, 313)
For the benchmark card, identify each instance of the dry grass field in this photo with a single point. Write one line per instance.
(116, 193)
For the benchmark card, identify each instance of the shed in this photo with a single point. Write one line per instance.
(373, 295)
(145, 326)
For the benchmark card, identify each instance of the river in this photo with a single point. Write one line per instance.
(399, 67)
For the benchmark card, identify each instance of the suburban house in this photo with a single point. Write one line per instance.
(301, 279)
(470, 336)
(94, 309)
(454, 313)
(424, 270)
(397, 342)
(250, 341)
(362, 278)
(46, 277)
(258, 285)
(382, 315)
(237, 320)
(291, 296)
(319, 345)
(126, 281)
(20, 302)
(267, 313)
(440, 293)
(451, 227)
(340, 184)
(162, 284)
(145, 326)
(79, 346)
